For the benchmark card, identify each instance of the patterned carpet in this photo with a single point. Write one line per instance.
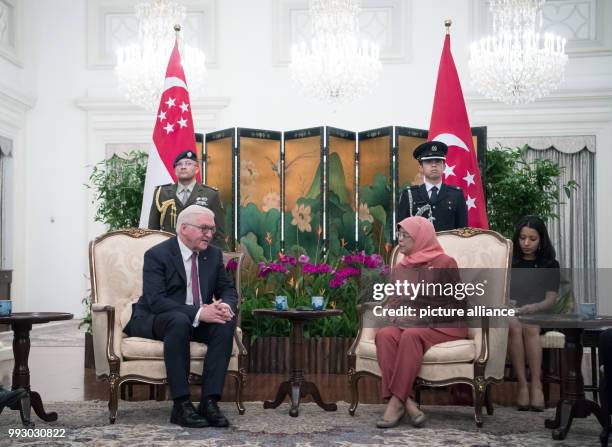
(146, 424)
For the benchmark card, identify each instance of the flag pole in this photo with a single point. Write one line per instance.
(177, 29)
(447, 24)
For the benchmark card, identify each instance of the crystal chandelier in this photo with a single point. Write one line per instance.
(517, 65)
(141, 66)
(336, 67)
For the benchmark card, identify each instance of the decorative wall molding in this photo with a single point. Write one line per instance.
(112, 23)
(584, 23)
(13, 108)
(387, 22)
(11, 22)
(567, 112)
(568, 145)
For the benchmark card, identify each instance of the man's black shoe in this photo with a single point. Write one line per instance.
(185, 415)
(211, 411)
(8, 398)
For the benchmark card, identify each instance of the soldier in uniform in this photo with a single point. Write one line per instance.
(444, 205)
(169, 200)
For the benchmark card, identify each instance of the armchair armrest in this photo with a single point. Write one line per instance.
(238, 339)
(492, 357)
(107, 361)
(362, 333)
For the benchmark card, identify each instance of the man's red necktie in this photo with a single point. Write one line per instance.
(195, 282)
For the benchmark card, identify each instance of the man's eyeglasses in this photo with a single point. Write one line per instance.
(204, 229)
(399, 235)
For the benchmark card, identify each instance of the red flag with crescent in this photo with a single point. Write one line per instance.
(450, 124)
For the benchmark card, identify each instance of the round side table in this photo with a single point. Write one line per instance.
(21, 324)
(296, 387)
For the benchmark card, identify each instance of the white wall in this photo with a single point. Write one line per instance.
(78, 111)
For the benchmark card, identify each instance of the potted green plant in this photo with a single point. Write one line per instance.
(118, 185)
(515, 188)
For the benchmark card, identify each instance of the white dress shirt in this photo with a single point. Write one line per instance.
(186, 255)
(431, 185)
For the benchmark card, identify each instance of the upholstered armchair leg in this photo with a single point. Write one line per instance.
(488, 401)
(478, 401)
(113, 398)
(240, 385)
(353, 385)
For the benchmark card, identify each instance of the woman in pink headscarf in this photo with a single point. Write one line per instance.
(400, 350)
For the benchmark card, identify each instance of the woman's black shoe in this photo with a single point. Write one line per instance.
(185, 415)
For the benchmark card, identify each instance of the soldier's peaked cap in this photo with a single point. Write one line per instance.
(431, 150)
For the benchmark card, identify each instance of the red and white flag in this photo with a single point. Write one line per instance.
(173, 133)
(450, 124)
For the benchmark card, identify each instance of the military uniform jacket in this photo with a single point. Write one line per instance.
(447, 213)
(167, 206)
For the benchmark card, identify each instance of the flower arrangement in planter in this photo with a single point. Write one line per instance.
(340, 281)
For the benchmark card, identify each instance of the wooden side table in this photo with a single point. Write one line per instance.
(572, 403)
(296, 387)
(21, 324)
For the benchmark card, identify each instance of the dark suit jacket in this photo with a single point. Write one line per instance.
(449, 211)
(164, 284)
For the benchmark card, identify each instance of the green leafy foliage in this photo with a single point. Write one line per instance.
(516, 188)
(118, 183)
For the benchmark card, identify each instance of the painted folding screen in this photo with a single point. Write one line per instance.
(302, 194)
(259, 192)
(218, 172)
(375, 190)
(340, 189)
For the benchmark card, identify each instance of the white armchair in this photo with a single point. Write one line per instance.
(478, 360)
(115, 263)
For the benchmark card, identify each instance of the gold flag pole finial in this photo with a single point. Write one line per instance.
(447, 24)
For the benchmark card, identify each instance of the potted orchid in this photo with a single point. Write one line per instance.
(338, 280)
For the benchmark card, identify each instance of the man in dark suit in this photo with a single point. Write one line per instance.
(187, 295)
(169, 200)
(444, 205)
